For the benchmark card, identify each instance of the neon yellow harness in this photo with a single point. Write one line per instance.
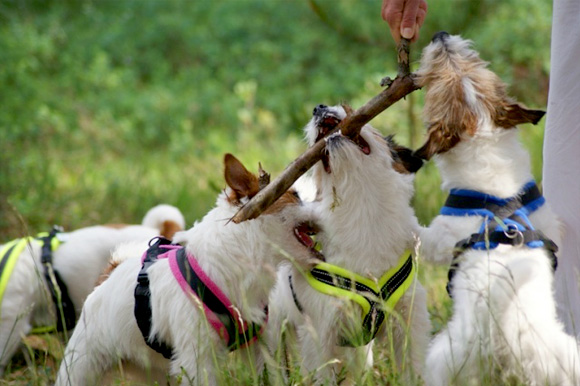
(10, 253)
(376, 298)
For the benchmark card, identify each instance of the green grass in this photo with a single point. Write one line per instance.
(38, 361)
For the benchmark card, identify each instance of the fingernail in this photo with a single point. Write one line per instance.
(407, 33)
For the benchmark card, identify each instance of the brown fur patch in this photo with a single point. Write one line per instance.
(242, 182)
(169, 228)
(447, 77)
(289, 197)
(511, 115)
(107, 272)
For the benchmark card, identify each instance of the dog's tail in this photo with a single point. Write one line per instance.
(167, 219)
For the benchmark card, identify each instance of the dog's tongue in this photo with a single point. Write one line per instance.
(304, 237)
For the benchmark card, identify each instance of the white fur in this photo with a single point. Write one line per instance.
(366, 224)
(239, 258)
(80, 259)
(504, 318)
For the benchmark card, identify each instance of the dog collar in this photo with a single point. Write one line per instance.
(221, 314)
(376, 298)
(49, 242)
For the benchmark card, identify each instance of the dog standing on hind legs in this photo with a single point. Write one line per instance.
(496, 226)
(230, 269)
(367, 229)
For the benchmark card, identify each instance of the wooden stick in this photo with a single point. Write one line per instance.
(350, 125)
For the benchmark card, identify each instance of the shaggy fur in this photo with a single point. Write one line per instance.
(366, 223)
(79, 260)
(504, 319)
(239, 258)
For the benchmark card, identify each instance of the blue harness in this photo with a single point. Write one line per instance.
(506, 222)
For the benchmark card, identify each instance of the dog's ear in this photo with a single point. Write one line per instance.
(242, 182)
(404, 160)
(512, 114)
(440, 138)
(408, 160)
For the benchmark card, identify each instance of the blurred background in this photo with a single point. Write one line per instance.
(110, 107)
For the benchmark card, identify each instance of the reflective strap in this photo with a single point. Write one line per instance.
(341, 283)
(43, 330)
(10, 253)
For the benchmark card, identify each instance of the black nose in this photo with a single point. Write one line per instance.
(319, 110)
(441, 35)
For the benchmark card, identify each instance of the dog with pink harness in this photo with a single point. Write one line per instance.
(219, 311)
(193, 311)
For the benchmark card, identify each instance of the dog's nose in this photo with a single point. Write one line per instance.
(319, 110)
(441, 35)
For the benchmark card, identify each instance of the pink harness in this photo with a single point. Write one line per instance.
(222, 315)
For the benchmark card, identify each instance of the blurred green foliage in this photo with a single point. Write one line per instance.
(110, 107)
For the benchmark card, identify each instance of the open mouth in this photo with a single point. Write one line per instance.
(328, 123)
(305, 233)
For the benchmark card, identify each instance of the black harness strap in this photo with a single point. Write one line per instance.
(142, 308)
(236, 338)
(294, 295)
(373, 320)
(66, 320)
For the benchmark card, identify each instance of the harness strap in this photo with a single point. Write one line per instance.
(506, 222)
(374, 298)
(58, 291)
(219, 311)
(142, 310)
(65, 309)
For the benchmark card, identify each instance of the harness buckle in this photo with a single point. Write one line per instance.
(512, 232)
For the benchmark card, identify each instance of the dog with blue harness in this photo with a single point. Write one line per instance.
(496, 230)
(506, 222)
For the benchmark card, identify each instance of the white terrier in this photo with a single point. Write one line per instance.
(233, 265)
(78, 258)
(504, 319)
(367, 229)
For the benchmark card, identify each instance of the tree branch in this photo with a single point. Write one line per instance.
(351, 125)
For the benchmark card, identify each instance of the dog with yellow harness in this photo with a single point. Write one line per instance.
(365, 285)
(45, 279)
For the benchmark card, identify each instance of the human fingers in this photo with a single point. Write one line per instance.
(392, 13)
(409, 18)
(421, 14)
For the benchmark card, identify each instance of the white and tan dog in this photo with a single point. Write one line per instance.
(79, 260)
(367, 228)
(504, 322)
(237, 263)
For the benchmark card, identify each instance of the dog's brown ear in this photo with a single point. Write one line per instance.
(513, 114)
(404, 159)
(242, 182)
(440, 138)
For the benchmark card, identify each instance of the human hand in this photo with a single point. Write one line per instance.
(405, 17)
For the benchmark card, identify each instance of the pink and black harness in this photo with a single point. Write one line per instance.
(219, 311)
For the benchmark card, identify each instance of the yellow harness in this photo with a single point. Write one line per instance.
(376, 298)
(10, 253)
